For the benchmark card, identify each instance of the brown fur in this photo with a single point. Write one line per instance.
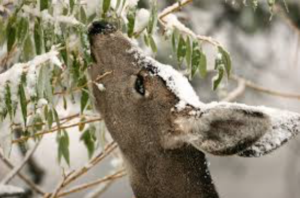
(138, 125)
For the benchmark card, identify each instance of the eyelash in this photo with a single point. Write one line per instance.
(139, 85)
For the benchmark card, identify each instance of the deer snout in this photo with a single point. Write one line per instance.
(101, 27)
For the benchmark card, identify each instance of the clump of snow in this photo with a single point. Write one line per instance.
(117, 162)
(12, 77)
(42, 102)
(101, 87)
(10, 191)
(175, 81)
(142, 19)
(171, 22)
(132, 3)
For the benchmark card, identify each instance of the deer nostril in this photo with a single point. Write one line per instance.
(101, 27)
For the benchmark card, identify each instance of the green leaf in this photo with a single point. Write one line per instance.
(23, 102)
(181, 50)
(131, 21)
(83, 15)
(226, 60)
(188, 52)
(89, 139)
(174, 38)
(8, 102)
(218, 78)
(72, 3)
(146, 40)
(63, 147)
(105, 6)
(44, 84)
(23, 28)
(84, 100)
(49, 117)
(152, 44)
(11, 35)
(28, 48)
(38, 37)
(153, 18)
(56, 118)
(44, 4)
(203, 65)
(37, 123)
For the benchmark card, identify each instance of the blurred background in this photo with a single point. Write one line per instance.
(264, 50)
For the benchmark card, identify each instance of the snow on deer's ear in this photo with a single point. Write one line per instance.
(284, 126)
(223, 128)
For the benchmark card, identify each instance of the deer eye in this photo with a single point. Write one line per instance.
(139, 85)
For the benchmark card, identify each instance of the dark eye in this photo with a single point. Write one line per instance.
(139, 85)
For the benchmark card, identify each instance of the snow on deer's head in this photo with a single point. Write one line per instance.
(152, 106)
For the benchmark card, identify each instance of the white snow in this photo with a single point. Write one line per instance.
(175, 81)
(12, 77)
(171, 22)
(142, 19)
(132, 3)
(101, 87)
(10, 191)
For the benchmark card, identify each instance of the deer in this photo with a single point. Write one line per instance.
(162, 128)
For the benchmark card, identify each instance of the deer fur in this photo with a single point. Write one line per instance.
(163, 135)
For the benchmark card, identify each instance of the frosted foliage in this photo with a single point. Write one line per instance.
(175, 81)
(284, 125)
(142, 19)
(12, 77)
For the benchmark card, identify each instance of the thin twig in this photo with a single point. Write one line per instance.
(181, 27)
(236, 92)
(17, 169)
(75, 189)
(86, 84)
(262, 89)
(173, 8)
(60, 185)
(23, 139)
(32, 185)
(100, 190)
(107, 150)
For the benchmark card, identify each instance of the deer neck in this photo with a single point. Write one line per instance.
(170, 174)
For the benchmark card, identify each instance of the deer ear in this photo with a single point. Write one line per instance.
(227, 129)
(284, 126)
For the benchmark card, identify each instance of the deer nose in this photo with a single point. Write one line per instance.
(101, 27)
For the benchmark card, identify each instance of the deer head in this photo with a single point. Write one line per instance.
(161, 126)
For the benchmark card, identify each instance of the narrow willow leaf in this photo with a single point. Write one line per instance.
(28, 49)
(146, 40)
(105, 6)
(92, 17)
(218, 78)
(23, 27)
(226, 59)
(174, 38)
(153, 18)
(11, 35)
(44, 4)
(196, 56)
(38, 37)
(188, 52)
(23, 102)
(8, 102)
(152, 44)
(131, 21)
(83, 16)
(203, 65)
(181, 49)
(63, 147)
(89, 138)
(37, 123)
(72, 4)
(49, 118)
(56, 118)
(84, 100)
